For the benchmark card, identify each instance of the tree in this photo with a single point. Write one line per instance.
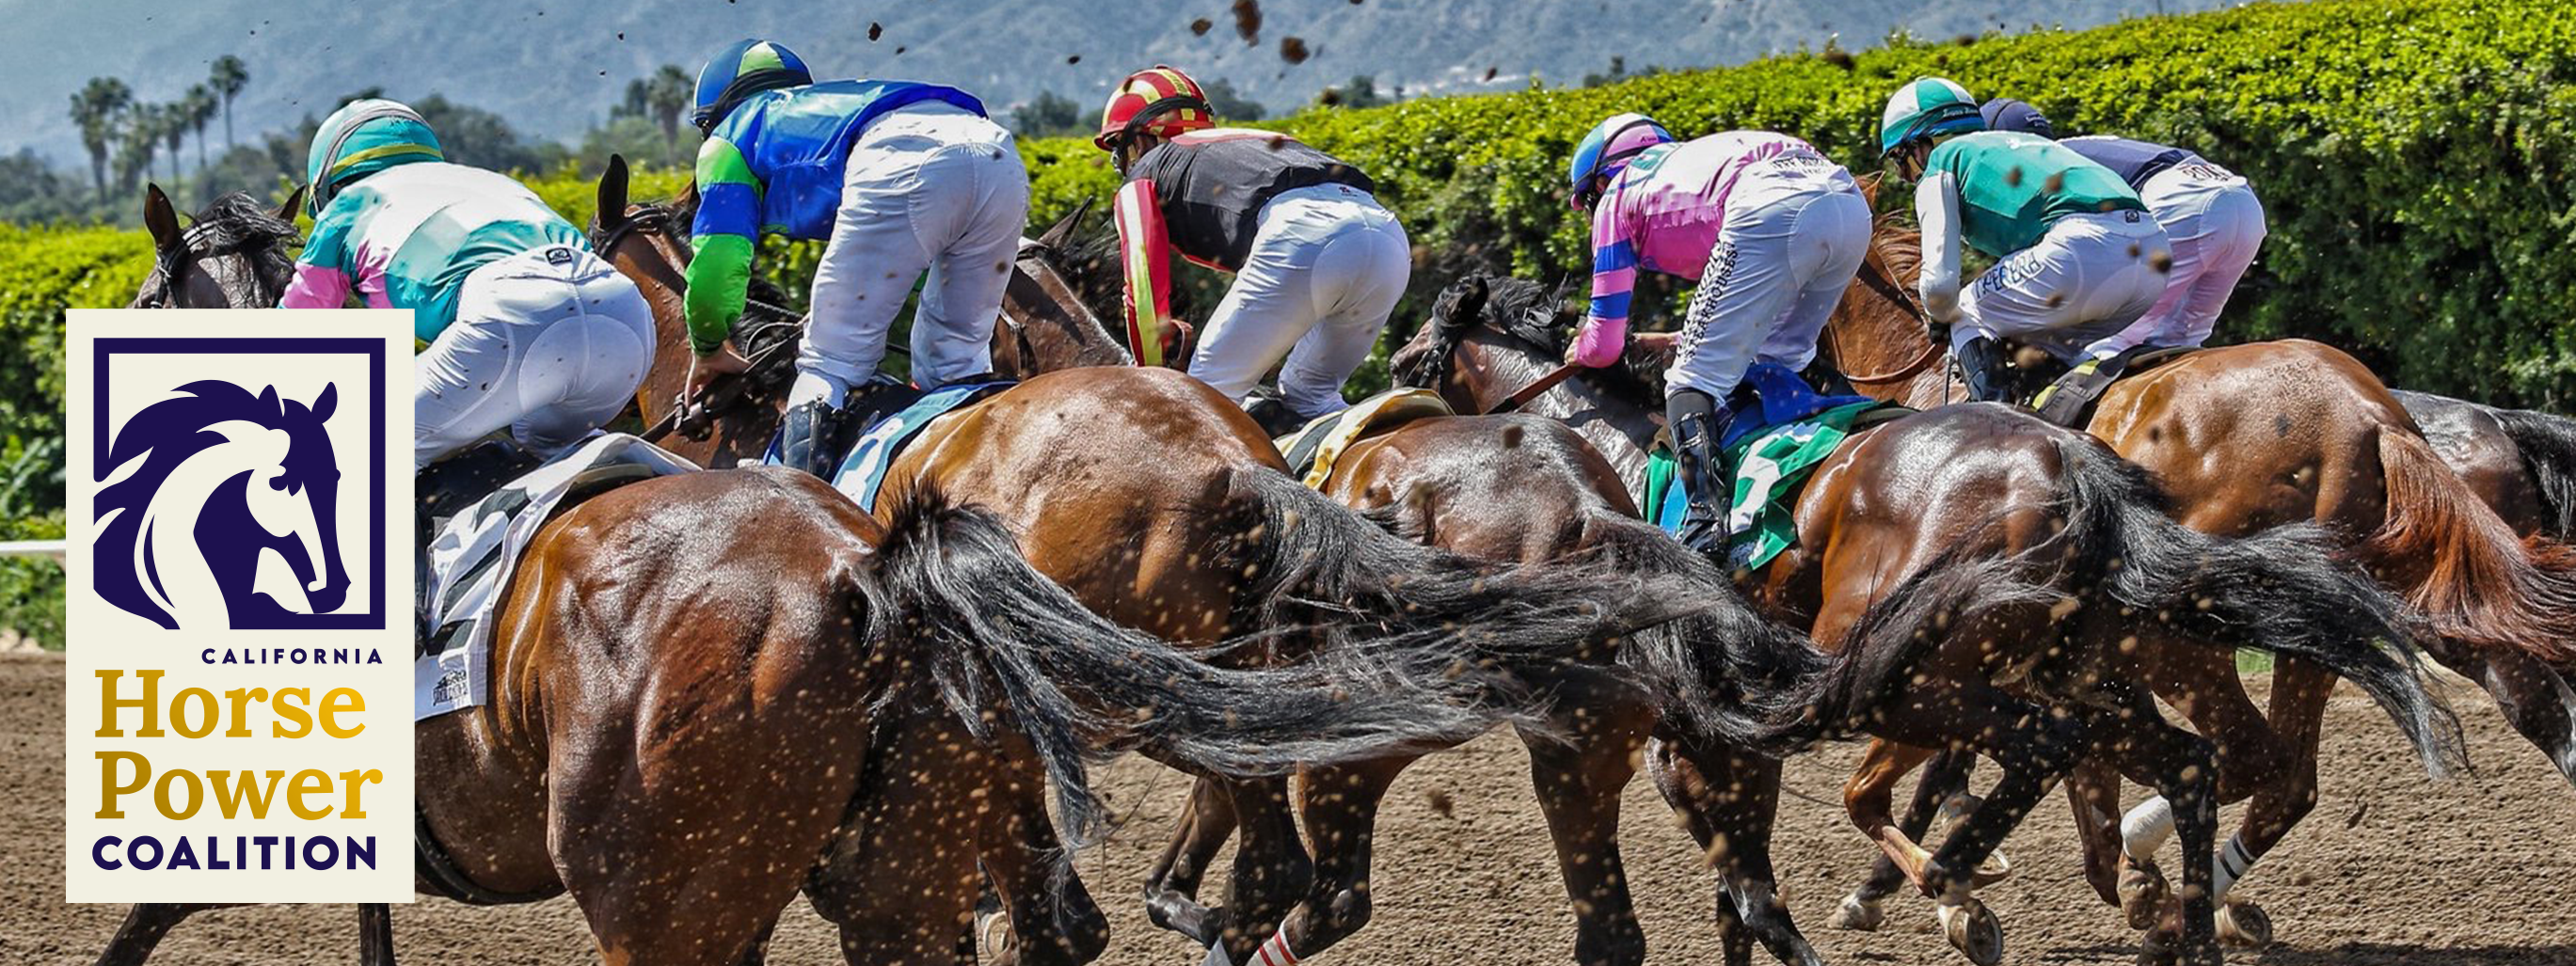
(1050, 115)
(228, 78)
(137, 141)
(670, 93)
(1229, 105)
(174, 132)
(1361, 91)
(200, 107)
(98, 110)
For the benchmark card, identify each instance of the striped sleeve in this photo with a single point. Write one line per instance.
(726, 230)
(1145, 252)
(1614, 281)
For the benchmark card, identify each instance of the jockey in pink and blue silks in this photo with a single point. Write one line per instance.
(1772, 230)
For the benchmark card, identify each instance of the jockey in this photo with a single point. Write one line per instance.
(527, 330)
(1773, 231)
(901, 177)
(1318, 264)
(2077, 257)
(2209, 212)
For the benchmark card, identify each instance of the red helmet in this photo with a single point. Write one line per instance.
(1161, 102)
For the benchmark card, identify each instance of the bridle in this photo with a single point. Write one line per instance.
(660, 218)
(170, 264)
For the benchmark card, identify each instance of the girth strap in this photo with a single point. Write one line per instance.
(433, 866)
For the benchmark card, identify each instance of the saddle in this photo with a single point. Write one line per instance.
(2067, 396)
(1312, 450)
(1782, 429)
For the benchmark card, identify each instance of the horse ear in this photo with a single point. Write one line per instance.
(326, 402)
(158, 216)
(1063, 230)
(612, 193)
(293, 204)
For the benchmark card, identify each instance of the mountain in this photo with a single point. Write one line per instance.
(553, 67)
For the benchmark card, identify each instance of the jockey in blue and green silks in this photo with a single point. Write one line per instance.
(899, 177)
(526, 329)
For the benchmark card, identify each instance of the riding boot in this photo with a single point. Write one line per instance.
(1981, 365)
(1828, 378)
(1698, 424)
(1276, 419)
(809, 438)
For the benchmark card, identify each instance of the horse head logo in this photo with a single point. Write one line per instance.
(181, 474)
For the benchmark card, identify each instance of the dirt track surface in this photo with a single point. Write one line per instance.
(2392, 868)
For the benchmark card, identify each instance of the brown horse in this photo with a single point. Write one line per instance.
(2251, 437)
(623, 643)
(1474, 485)
(2521, 463)
(1160, 505)
(1975, 494)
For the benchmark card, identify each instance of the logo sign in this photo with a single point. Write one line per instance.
(237, 666)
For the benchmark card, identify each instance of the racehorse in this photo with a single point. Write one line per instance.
(2034, 682)
(679, 730)
(1515, 488)
(2250, 437)
(2521, 463)
(1161, 506)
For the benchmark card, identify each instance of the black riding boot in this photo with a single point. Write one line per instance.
(809, 438)
(1276, 419)
(1700, 467)
(1828, 378)
(1981, 364)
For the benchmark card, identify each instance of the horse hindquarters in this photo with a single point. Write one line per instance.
(2463, 566)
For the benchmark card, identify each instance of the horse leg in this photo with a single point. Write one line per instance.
(2253, 755)
(1051, 917)
(1578, 788)
(144, 926)
(2182, 768)
(1272, 871)
(2034, 745)
(2093, 795)
(1172, 888)
(2535, 698)
(1339, 805)
(1868, 798)
(903, 878)
(375, 934)
(1727, 798)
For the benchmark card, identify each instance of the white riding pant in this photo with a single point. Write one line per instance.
(2084, 281)
(2216, 225)
(1781, 263)
(931, 187)
(550, 344)
(1326, 268)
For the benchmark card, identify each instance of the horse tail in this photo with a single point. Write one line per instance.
(1723, 673)
(960, 613)
(1321, 569)
(2548, 447)
(2281, 591)
(2463, 566)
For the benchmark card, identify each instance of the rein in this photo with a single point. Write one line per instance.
(693, 415)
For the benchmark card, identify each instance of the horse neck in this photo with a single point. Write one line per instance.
(1622, 429)
(1880, 343)
(1076, 335)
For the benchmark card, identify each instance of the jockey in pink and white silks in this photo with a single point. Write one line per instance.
(1773, 231)
(526, 329)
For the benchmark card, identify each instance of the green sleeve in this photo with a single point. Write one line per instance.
(719, 275)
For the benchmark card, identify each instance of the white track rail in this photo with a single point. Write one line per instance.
(32, 548)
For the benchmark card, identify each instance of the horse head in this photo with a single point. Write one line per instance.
(233, 256)
(1051, 316)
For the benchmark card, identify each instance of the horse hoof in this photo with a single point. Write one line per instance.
(993, 936)
(2244, 924)
(2164, 947)
(1996, 868)
(1973, 931)
(1860, 915)
(2142, 894)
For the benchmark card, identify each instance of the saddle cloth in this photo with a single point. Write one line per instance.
(2069, 398)
(473, 554)
(1312, 451)
(1771, 468)
(863, 471)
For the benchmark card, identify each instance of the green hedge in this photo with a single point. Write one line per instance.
(42, 272)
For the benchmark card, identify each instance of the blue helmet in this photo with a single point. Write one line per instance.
(1608, 148)
(2006, 114)
(743, 69)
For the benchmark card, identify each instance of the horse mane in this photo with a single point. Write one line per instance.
(1896, 250)
(165, 435)
(1532, 314)
(236, 224)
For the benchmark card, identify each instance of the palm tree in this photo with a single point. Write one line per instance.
(200, 110)
(95, 111)
(137, 142)
(174, 132)
(229, 77)
(668, 95)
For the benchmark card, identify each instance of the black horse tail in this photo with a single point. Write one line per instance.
(1322, 570)
(1724, 673)
(2281, 591)
(2548, 447)
(958, 611)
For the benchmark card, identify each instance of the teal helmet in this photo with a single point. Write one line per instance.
(1926, 107)
(1608, 148)
(745, 68)
(362, 138)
